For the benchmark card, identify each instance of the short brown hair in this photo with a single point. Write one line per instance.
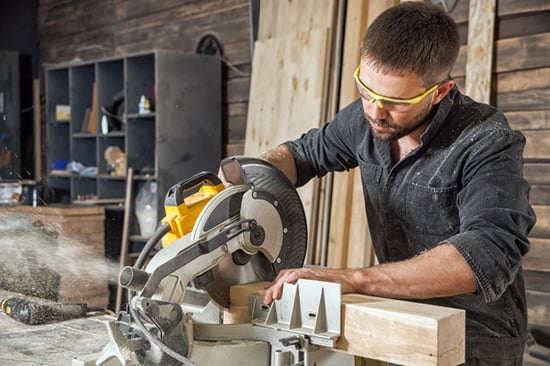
(412, 38)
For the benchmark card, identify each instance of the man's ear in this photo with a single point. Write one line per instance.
(442, 90)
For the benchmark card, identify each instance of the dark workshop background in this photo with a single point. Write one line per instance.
(54, 31)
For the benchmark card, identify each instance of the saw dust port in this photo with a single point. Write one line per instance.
(43, 260)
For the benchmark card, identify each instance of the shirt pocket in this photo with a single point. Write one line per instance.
(371, 176)
(432, 211)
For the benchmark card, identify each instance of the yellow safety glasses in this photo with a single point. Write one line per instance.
(388, 103)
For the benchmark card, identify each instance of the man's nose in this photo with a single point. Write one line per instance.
(372, 108)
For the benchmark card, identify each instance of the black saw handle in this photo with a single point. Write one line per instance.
(181, 190)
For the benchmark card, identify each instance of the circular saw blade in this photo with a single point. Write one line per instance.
(274, 203)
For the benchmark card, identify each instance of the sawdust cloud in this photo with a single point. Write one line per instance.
(43, 260)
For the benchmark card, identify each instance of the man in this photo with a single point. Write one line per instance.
(442, 178)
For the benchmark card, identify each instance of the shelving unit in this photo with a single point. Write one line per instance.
(178, 138)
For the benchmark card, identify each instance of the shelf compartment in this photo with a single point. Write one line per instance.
(83, 188)
(81, 86)
(140, 80)
(83, 151)
(111, 94)
(108, 187)
(141, 144)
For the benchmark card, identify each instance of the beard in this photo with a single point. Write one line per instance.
(398, 131)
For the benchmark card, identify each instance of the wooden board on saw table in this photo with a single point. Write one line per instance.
(397, 331)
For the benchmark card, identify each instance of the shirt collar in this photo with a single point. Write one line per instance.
(443, 109)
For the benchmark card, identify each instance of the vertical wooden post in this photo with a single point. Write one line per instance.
(479, 63)
(37, 131)
(125, 234)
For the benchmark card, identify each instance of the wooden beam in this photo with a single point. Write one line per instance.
(480, 50)
(37, 131)
(396, 331)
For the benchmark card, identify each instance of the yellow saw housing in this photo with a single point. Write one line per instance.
(182, 212)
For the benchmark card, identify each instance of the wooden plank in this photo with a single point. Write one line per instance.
(540, 194)
(37, 131)
(533, 99)
(480, 50)
(522, 24)
(397, 331)
(287, 96)
(538, 144)
(538, 258)
(509, 7)
(123, 259)
(283, 18)
(513, 54)
(538, 308)
(537, 280)
(402, 332)
(529, 120)
(537, 173)
(519, 53)
(542, 226)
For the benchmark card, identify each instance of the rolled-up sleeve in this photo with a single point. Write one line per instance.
(495, 214)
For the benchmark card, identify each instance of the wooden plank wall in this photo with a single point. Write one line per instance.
(520, 87)
(88, 30)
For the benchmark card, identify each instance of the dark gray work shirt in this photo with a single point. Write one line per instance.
(463, 185)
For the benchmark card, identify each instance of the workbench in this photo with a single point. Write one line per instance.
(49, 344)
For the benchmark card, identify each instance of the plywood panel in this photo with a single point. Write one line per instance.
(282, 18)
(288, 96)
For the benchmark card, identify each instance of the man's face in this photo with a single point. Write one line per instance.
(388, 120)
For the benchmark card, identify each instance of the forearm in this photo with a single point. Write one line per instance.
(282, 158)
(440, 272)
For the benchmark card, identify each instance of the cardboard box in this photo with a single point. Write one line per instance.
(62, 112)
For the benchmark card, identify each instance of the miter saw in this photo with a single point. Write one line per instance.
(215, 237)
